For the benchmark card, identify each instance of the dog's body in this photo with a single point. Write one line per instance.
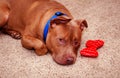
(26, 19)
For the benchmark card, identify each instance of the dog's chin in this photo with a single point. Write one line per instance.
(61, 61)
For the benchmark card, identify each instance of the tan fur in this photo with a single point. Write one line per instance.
(27, 19)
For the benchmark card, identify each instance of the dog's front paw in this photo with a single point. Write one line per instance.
(42, 50)
(16, 35)
(12, 33)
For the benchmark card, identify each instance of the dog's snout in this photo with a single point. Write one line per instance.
(70, 60)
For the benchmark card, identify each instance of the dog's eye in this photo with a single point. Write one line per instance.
(76, 43)
(61, 41)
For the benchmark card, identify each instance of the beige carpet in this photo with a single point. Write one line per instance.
(103, 17)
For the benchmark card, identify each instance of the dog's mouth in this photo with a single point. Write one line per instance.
(64, 60)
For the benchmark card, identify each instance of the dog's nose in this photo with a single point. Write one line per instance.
(70, 60)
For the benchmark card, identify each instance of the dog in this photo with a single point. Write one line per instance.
(43, 25)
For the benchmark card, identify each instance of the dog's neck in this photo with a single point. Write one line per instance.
(45, 32)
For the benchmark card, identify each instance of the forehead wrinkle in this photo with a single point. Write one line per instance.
(71, 32)
(75, 31)
(68, 32)
(73, 26)
(62, 31)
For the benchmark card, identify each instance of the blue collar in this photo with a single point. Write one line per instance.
(57, 14)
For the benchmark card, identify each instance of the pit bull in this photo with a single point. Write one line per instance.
(43, 25)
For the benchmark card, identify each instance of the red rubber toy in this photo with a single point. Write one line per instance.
(92, 46)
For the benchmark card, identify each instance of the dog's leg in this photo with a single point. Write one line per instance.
(4, 13)
(30, 42)
(12, 33)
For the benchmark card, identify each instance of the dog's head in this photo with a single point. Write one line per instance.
(64, 38)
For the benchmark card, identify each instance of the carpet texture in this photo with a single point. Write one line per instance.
(103, 18)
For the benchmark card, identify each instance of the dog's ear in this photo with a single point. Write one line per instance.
(82, 23)
(60, 20)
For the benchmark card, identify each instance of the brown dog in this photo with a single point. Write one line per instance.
(28, 19)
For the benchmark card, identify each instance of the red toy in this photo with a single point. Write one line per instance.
(92, 46)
